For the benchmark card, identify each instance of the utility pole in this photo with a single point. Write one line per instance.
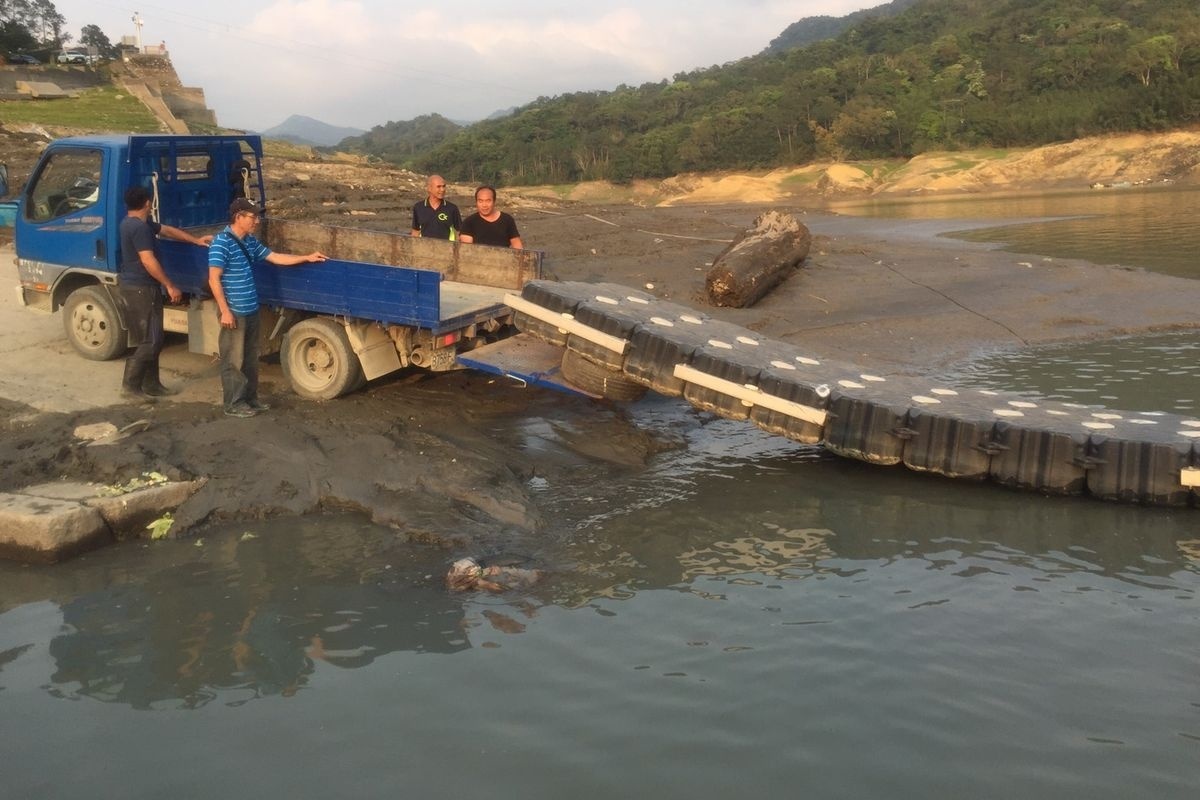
(138, 22)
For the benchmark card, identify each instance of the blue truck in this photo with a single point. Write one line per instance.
(383, 302)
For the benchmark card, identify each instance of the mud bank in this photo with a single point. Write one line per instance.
(458, 459)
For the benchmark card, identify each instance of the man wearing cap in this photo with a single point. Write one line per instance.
(435, 217)
(143, 281)
(231, 258)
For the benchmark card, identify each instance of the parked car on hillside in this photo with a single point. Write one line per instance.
(74, 57)
(22, 58)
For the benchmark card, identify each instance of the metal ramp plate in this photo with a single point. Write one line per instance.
(524, 359)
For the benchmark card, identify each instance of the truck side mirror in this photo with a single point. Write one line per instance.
(3, 180)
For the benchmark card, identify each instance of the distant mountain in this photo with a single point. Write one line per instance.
(503, 112)
(816, 29)
(308, 131)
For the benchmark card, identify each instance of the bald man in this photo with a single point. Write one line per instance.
(436, 217)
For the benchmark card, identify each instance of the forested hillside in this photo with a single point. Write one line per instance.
(401, 142)
(943, 74)
(814, 29)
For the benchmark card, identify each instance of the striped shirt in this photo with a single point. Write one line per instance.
(237, 275)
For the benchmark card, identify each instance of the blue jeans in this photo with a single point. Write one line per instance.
(239, 348)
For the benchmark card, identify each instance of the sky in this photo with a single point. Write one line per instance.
(362, 63)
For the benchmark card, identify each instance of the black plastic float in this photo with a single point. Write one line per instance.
(1012, 439)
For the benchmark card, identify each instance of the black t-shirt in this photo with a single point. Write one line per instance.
(498, 233)
(436, 223)
(137, 236)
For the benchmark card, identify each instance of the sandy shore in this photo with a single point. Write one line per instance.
(887, 294)
(418, 452)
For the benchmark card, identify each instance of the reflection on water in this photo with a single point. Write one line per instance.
(738, 612)
(236, 617)
(1143, 373)
(741, 607)
(1153, 228)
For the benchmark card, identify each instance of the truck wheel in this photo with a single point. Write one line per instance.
(599, 380)
(318, 361)
(92, 324)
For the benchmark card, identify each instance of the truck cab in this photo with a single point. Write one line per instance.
(66, 227)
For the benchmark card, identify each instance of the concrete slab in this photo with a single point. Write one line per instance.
(63, 490)
(50, 522)
(45, 530)
(43, 89)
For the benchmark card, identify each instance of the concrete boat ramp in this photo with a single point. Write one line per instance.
(620, 342)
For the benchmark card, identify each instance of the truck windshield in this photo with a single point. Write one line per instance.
(68, 181)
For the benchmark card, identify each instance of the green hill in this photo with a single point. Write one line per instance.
(401, 142)
(815, 29)
(939, 75)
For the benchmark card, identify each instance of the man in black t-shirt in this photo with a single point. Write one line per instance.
(435, 217)
(142, 281)
(489, 226)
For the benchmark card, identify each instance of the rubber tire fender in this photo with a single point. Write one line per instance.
(599, 380)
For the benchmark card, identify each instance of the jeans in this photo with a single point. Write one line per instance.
(239, 348)
(144, 320)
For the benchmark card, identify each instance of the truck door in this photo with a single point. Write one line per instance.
(62, 218)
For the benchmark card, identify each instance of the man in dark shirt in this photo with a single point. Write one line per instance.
(435, 217)
(489, 226)
(142, 281)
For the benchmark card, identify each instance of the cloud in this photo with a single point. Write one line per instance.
(365, 62)
(327, 23)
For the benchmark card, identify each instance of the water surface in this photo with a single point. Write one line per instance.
(1149, 227)
(1134, 373)
(746, 614)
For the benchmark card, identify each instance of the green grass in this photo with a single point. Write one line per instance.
(281, 148)
(102, 109)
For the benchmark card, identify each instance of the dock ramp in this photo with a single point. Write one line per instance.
(1008, 438)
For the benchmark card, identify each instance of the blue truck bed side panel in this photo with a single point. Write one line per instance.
(386, 294)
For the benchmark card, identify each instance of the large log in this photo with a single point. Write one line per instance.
(757, 260)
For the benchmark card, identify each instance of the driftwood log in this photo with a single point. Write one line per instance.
(757, 260)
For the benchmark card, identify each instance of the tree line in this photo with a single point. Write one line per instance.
(929, 75)
(36, 26)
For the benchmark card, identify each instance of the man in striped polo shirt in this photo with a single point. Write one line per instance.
(231, 258)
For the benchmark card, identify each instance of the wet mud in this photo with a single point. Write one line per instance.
(461, 459)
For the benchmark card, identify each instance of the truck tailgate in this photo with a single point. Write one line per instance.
(524, 359)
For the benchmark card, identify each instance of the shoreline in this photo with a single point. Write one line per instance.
(417, 452)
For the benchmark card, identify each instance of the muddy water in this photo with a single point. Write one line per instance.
(1150, 228)
(741, 613)
(1138, 373)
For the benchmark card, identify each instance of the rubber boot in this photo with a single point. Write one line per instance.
(152, 386)
(131, 382)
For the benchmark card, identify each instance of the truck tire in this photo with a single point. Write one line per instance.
(599, 380)
(92, 324)
(318, 361)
